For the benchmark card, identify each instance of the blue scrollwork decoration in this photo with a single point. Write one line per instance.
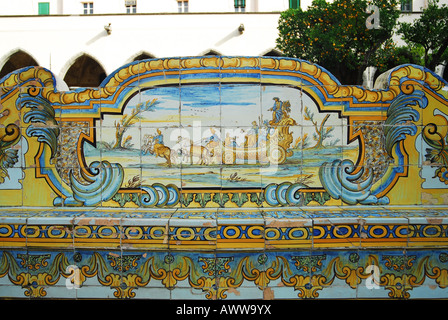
(159, 195)
(41, 117)
(343, 180)
(104, 183)
(104, 179)
(284, 194)
(400, 115)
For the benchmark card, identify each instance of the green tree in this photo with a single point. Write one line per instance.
(429, 32)
(335, 36)
(389, 56)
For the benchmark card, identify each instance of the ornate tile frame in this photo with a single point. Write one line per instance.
(281, 240)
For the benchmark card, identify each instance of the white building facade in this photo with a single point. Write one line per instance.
(70, 7)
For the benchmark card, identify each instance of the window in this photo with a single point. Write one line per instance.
(240, 5)
(131, 9)
(294, 4)
(182, 6)
(44, 8)
(88, 7)
(406, 5)
(131, 6)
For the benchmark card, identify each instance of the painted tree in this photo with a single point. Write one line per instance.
(430, 33)
(335, 35)
(129, 120)
(321, 131)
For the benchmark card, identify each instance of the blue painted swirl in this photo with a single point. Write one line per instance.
(149, 197)
(341, 181)
(173, 195)
(104, 183)
(270, 194)
(284, 194)
(159, 195)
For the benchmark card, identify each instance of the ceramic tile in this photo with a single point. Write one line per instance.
(242, 228)
(376, 231)
(29, 100)
(280, 106)
(333, 232)
(308, 105)
(188, 295)
(196, 229)
(143, 229)
(240, 106)
(368, 136)
(433, 116)
(101, 226)
(287, 232)
(188, 67)
(236, 176)
(200, 104)
(197, 177)
(13, 181)
(243, 69)
(153, 177)
(130, 75)
(157, 107)
(161, 72)
(426, 231)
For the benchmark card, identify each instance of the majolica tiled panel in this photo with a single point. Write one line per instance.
(224, 178)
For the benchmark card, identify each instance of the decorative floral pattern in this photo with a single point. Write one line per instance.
(266, 272)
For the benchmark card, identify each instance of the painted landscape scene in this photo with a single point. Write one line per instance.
(221, 135)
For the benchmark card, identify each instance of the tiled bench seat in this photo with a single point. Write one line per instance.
(224, 253)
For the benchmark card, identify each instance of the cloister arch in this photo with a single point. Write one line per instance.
(17, 59)
(142, 56)
(85, 71)
(272, 53)
(211, 52)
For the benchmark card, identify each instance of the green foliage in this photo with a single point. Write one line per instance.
(202, 198)
(221, 199)
(389, 56)
(239, 198)
(429, 33)
(186, 199)
(335, 36)
(257, 198)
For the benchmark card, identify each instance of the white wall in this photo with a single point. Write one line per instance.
(56, 41)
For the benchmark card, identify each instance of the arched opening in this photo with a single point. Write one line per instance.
(85, 72)
(143, 56)
(211, 52)
(17, 60)
(273, 53)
